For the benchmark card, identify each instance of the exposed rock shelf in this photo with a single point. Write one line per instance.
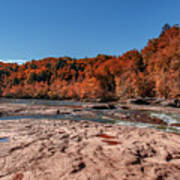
(57, 149)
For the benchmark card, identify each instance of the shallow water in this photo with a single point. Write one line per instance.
(42, 102)
(56, 117)
(167, 117)
(4, 139)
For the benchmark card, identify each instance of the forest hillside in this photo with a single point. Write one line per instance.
(153, 72)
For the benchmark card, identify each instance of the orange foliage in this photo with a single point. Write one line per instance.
(155, 71)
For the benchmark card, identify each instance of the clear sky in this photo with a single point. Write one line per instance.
(33, 29)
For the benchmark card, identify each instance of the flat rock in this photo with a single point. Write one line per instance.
(84, 150)
(100, 106)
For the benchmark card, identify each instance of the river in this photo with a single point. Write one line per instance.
(127, 117)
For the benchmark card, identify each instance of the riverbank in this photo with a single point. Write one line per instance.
(57, 149)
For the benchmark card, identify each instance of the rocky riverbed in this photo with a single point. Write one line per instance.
(166, 118)
(40, 141)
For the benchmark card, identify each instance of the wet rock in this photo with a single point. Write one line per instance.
(135, 117)
(175, 124)
(144, 118)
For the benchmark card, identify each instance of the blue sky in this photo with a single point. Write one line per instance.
(33, 29)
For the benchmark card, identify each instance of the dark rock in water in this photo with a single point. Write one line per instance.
(141, 101)
(100, 107)
(112, 106)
